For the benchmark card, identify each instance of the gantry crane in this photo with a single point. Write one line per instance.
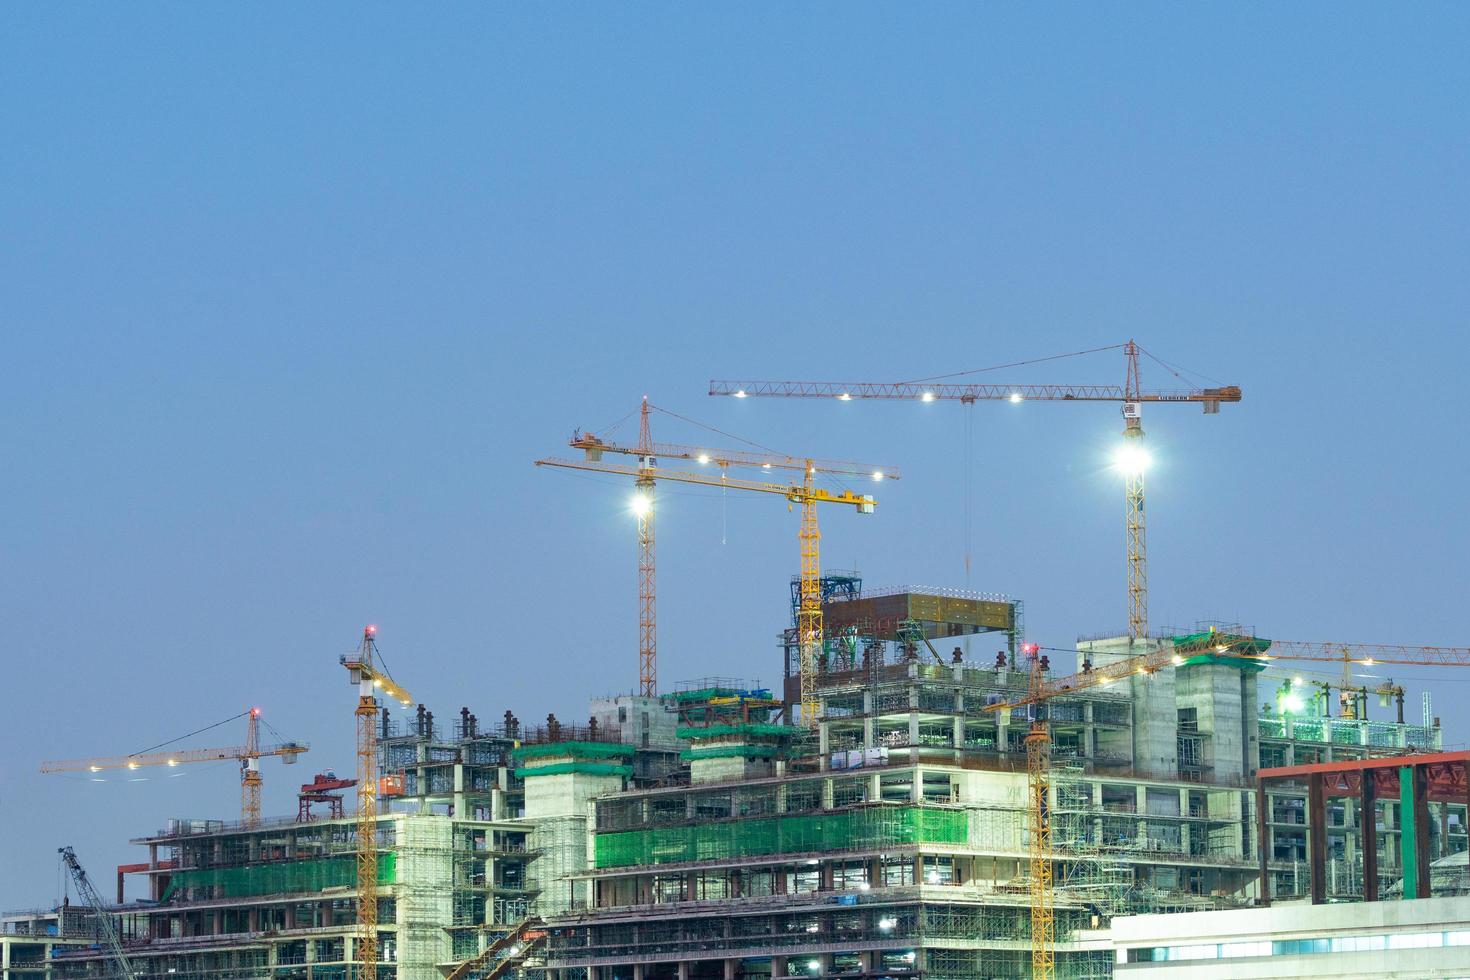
(1132, 461)
(806, 493)
(1220, 644)
(99, 912)
(249, 756)
(364, 671)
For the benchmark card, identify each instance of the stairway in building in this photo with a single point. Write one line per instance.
(505, 954)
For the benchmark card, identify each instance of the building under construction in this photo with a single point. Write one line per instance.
(700, 834)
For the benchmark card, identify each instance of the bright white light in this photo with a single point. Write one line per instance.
(1367, 661)
(740, 393)
(814, 965)
(765, 466)
(1297, 682)
(173, 762)
(877, 474)
(813, 928)
(863, 886)
(909, 956)
(1132, 459)
(1291, 702)
(1177, 659)
(95, 768)
(886, 924)
(377, 682)
(844, 397)
(132, 765)
(513, 951)
(927, 396)
(640, 504)
(704, 457)
(1015, 398)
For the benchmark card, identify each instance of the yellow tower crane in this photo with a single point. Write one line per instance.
(248, 755)
(1132, 458)
(806, 493)
(364, 671)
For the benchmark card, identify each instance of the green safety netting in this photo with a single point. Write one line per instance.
(588, 768)
(580, 750)
(793, 834)
(746, 728)
(281, 877)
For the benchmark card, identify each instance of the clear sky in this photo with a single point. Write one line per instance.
(290, 298)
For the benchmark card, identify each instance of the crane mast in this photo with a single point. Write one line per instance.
(99, 910)
(362, 668)
(647, 595)
(367, 815)
(1135, 461)
(1038, 784)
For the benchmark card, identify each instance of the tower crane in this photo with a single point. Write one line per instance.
(99, 912)
(1133, 459)
(806, 493)
(249, 756)
(1214, 643)
(364, 670)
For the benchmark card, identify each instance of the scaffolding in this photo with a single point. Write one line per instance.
(425, 897)
(858, 828)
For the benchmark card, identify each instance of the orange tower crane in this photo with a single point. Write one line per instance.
(806, 493)
(1218, 644)
(248, 755)
(365, 672)
(1132, 460)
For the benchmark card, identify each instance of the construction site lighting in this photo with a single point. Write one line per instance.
(887, 924)
(173, 762)
(844, 397)
(1291, 702)
(1132, 459)
(1297, 682)
(814, 965)
(703, 457)
(877, 474)
(927, 396)
(740, 393)
(1016, 398)
(1176, 660)
(640, 504)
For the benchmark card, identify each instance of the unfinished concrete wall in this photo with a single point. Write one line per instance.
(1153, 741)
(1214, 692)
(642, 722)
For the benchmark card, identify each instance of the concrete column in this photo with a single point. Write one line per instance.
(913, 729)
(730, 968)
(684, 970)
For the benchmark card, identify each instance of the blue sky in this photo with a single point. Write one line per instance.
(292, 299)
